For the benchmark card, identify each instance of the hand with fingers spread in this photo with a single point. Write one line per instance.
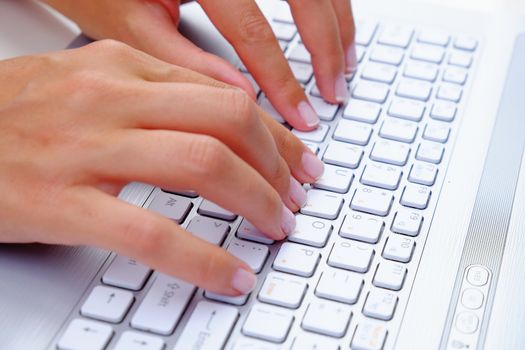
(326, 28)
(74, 131)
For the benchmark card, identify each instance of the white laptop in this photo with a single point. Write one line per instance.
(414, 238)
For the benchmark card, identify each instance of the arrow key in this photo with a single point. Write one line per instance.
(85, 335)
(139, 341)
(107, 304)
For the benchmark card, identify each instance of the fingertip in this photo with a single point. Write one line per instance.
(308, 116)
(243, 281)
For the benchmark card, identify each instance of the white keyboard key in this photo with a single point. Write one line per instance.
(414, 89)
(369, 336)
(300, 54)
(314, 147)
(314, 89)
(390, 275)
(391, 152)
(85, 335)
(283, 31)
(322, 204)
(238, 300)
(283, 13)
(371, 91)
(340, 285)
(443, 110)
(387, 54)
(407, 222)
(399, 248)
(380, 304)
(302, 71)
(343, 154)
(360, 53)
(466, 43)
(253, 82)
(350, 255)
(365, 31)
(398, 130)
(171, 206)
(362, 227)
(455, 75)
(208, 229)
(247, 231)
(208, 208)
(185, 193)
(372, 200)
(325, 110)
(245, 343)
(283, 44)
(415, 196)
(381, 175)
(379, 72)
(310, 231)
(139, 341)
(436, 131)
(107, 304)
(353, 132)
(433, 36)
(335, 179)
(283, 290)
(406, 109)
(268, 108)
(163, 305)
(362, 111)
(309, 341)
(126, 273)
(421, 71)
(431, 152)
(268, 323)
(296, 259)
(423, 173)
(428, 53)
(449, 92)
(317, 135)
(327, 317)
(396, 35)
(253, 254)
(208, 327)
(460, 59)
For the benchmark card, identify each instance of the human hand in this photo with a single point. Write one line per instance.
(75, 126)
(325, 26)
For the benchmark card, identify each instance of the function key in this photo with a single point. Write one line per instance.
(466, 43)
(435, 37)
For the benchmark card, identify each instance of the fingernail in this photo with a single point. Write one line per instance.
(341, 89)
(312, 165)
(308, 114)
(288, 221)
(351, 59)
(297, 192)
(244, 281)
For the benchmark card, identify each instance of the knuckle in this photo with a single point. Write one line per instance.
(146, 236)
(254, 28)
(109, 46)
(206, 155)
(243, 113)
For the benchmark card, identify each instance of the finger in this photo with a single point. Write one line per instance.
(245, 27)
(226, 114)
(303, 163)
(99, 219)
(157, 35)
(171, 159)
(323, 40)
(345, 19)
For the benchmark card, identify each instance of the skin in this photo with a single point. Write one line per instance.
(325, 26)
(126, 116)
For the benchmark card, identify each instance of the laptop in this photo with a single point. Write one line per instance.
(414, 238)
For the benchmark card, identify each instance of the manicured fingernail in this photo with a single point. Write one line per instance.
(351, 59)
(308, 114)
(312, 165)
(244, 281)
(288, 221)
(341, 89)
(297, 192)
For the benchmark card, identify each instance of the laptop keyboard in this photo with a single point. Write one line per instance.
(342, 279)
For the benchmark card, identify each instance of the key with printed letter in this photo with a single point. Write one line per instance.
(390, 275)
(343, 154)
(126, 273)
(351, 255)
(335, 179)
(369, 336)
(283, 290)
(322, 204)
(362, 111)
(391, 152)
(340, 285)
(353, 132)
(171, 206)
(296, 259)
(310, 231)
(381, 175)
(209, 229)
(372, 200)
